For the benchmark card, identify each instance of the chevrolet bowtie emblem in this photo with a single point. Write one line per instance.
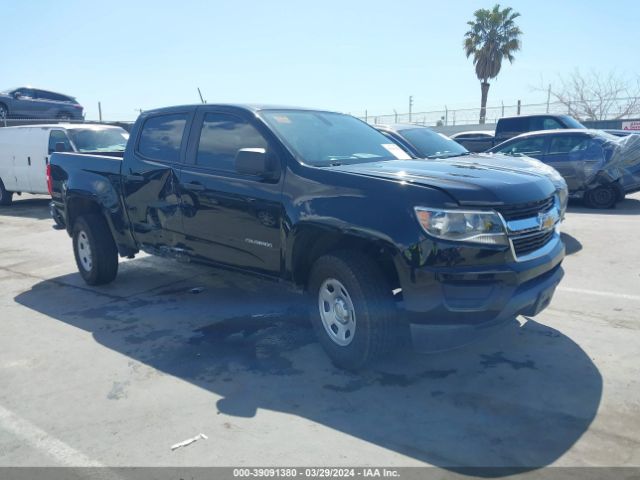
(547, 220)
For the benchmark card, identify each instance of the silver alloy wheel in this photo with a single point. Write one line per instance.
(84, 251)
(337, 312)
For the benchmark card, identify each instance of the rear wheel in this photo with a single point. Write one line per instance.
(604, 196)
(94, 249)
(6, 198)
(354, 316)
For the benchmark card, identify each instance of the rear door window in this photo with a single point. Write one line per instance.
(161, 137)
(26, 93)
(563, 144)
(51, 96)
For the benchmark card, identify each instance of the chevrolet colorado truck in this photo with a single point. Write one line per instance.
(381, 243)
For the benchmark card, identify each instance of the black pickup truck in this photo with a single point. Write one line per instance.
(509, 127)
(323, 202)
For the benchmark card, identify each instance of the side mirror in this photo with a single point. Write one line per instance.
(254, 161)
(17, 95)
(61, 147)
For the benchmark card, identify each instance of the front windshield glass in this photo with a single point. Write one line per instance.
(572, 122)
(99, 140)
(430, 144)
(325, 138)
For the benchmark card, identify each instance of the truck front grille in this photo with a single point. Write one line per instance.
(525, 210)
(525, 244)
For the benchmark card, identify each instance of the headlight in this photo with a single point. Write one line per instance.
(563, 199)
(463, 226)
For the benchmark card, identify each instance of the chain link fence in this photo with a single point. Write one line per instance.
(617, 108)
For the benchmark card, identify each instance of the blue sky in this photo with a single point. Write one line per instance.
(340, 55)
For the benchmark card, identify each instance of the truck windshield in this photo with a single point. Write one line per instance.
(430, 144)
(326, 139)
(571, 122)
(99, 140)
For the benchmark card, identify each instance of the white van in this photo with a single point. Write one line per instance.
(25, 150)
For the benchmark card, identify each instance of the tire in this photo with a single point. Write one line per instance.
(350, 294)
(604, 196)
(4, 111)
(65, 116)
(6, 198)
(94, 249)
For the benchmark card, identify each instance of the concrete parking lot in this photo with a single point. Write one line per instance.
(116, 375)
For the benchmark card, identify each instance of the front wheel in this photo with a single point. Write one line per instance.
(94, 249)
(601, 197)
(6, 198)
(353, 312)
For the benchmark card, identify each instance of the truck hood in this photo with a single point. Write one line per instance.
(468, 182)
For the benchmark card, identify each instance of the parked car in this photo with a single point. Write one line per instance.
(27, 102)
(475, 140)
(422, 142)
(599, 168)
(621, 133)
(377, 240)
(509, 127)
(25, 151)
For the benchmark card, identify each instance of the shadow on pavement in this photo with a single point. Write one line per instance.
(29, 207)
(519, 398)
(571, 244)
(629, 206)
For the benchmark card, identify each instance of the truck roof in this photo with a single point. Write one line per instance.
(250, 107)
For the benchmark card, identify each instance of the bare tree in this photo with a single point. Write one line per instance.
(597, 96)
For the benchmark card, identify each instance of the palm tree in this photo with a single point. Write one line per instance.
(493, 37)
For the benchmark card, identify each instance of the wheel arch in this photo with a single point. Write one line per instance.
(77, 206)
(313, 241)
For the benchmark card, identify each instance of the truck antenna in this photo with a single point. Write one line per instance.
(200, 93)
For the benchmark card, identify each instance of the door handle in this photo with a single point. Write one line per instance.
(196, 187)
(29, 161)
(135, 178)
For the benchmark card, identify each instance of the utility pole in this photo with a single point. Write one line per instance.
(548, 97)
(410, 106)
(100, 112)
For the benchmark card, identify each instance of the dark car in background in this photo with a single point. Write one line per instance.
(509, 127)
(28, 103)
(598, 167)
(478, 140)
(621, 133)
(422, 142)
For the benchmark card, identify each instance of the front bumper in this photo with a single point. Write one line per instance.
(481, 295)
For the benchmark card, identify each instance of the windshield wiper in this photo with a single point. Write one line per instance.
(449, 155)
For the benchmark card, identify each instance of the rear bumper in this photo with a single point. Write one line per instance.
(482, 296)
